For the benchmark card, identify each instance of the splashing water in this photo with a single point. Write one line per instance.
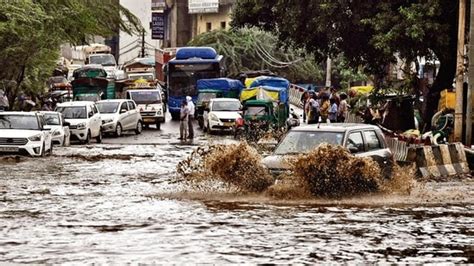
(328, 172)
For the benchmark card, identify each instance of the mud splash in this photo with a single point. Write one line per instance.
(326, 172)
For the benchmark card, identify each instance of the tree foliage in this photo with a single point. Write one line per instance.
(31, 32)
(365, 32)
(252, 49)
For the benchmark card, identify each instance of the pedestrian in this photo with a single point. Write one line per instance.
(343, 109)
(304, 100)
(183, 124)
(4, 104)
(332, 110)
(191, 109)
(324, 109)
(313, 115)
(335, 96)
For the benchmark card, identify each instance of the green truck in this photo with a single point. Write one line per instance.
(91, 84)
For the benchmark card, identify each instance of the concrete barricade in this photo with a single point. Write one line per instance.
(398, 148)
(439, 161)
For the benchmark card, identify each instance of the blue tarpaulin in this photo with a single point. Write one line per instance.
(275, 82)
(222, 84)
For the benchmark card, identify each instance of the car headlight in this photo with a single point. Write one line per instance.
(105, 121)
(214, 117)
(81, 126)
(158, 112)
(36, 137)
(56, 133)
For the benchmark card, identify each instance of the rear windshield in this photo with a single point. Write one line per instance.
(28, 122)
(108, 107)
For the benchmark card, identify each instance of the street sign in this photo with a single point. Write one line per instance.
(157, 26)
(158, 4)
(203, 6)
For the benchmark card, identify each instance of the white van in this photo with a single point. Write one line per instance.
(84, 119)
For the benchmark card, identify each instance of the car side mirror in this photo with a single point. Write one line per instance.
(91, 114)
(122, 111)
(352, 149)
(66, 124)
(207, 109)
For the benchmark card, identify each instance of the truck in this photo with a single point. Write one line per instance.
(148, 97)
(182, 73)
(215, 88)
(90, 84)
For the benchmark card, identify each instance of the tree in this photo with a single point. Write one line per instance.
(252, 49)
(31, 33)
(365, 32)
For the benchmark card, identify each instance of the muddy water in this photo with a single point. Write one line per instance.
(124, 204)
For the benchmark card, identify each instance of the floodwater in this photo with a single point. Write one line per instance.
(124, 203)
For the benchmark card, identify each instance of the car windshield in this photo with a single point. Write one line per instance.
(146, 97)
(206, 97)
(105, 60)
(226, 106)
(28, 122)
(256, 110)
(296, 142)
(108, 107)
(73, 112)
(52, 119)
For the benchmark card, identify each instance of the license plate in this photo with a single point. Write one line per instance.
(149, 120)
(9, 149)
(228, 124)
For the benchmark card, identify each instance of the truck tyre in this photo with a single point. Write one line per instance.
(158, 125)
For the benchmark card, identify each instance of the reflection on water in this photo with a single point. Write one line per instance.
(131, 209)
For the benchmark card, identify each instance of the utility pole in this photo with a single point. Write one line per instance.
(143, 44)
(470, 77)
(328, 72)
(459, 73)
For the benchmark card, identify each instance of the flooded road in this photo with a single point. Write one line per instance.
(124, 203)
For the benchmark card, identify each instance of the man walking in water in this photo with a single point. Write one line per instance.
(191, 110)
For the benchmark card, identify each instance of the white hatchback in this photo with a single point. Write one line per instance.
(84, 120)
(119, 116)
(60, 132)
(221, 114)
(24, 133)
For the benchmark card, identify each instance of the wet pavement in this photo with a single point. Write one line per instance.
(121, 201)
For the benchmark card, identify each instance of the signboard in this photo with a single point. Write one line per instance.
(158, 4)
(203, 6)
(157, 26)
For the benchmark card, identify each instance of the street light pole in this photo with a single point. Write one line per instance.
(458, 112)
(470, 77)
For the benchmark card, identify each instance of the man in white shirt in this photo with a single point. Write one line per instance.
(191, 109)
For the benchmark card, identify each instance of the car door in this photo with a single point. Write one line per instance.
(134, 114)
(95, 121)
(124, 116)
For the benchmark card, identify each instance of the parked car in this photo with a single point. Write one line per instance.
(24, 133)
(84, 119)
(360, 139)
(221, 114)
(119, 116)
(61, 135)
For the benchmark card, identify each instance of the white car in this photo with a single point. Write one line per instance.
(150, 104)
(24, 133)
(84, 120)
(59, 128)
(119, 116)
(221, 114)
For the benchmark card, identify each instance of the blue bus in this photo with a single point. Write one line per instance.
(183, 72)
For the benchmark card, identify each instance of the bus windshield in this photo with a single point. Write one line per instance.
(183, 77)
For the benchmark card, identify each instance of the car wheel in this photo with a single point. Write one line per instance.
(43, 152)
(158, 125)
(98, 139)
(139, 128)
(118, 130)
(88, 138)
(51, 150)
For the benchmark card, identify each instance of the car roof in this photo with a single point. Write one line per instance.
(18, 113)
(49, 112)
(113, 101)
(224, 99)
(78, 103)
(334, 127)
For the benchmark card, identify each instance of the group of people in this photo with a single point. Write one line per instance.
(324, 106)
(186, 130)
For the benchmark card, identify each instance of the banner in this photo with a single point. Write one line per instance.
(203, 6)
(157, 26)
